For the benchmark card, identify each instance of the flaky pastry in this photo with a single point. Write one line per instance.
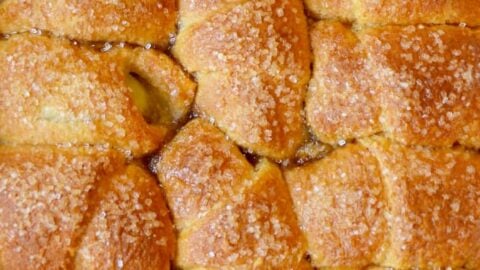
(383, 203)
(251, 60)
(417, 84)
(55, 92)
(229, 214)
(135, 21)
(384, 12)
(80, 208)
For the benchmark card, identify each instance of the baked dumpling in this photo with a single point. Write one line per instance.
(251, 60)
(388, 12)
(383, 203)
(229, 214)
(80, 208)
(53, 91)
(134, 21)
(417, 84)
(340, 203)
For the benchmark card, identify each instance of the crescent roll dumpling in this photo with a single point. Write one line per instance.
(417, 84)
(55, 92)
(433, 197)
(341, 102)
(131, 226)
(80, 209)
(133, 21)
(340, 203)
(228, 213)
(398, 12)
(387, 204)
(251, 60)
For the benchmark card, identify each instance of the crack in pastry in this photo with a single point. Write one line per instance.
(383, 203)
(384, 12)
(251, 61)
(229, 215)
(417, 84)
(80, 208)
(139, 22)
(54, 92)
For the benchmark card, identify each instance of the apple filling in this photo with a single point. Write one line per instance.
(152, 103)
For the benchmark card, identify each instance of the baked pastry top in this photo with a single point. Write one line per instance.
(68, 93)
(251, 60)
(384, 12)
(380, 202)
(141, 22)
(417, 84)
(228, 213)
(82, 208)
(239, 134)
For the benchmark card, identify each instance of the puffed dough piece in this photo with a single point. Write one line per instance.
(340, 103)
(383, 203)
(383, 12)
(131, 227)
(229, 214)
(55, 92)
(141, 22)
(417, 84)
(252, 63)
(67, 208)
(199, 168)
(340, 203)
(433, 213)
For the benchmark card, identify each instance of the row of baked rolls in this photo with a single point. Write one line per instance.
(383, 12)
(383, 203)
(417, 84)
(76, 206)
(139, 22)
(391, 201)
(372, 203)
(80, 208)
(53, 91)
(228, 213)
(251, 60)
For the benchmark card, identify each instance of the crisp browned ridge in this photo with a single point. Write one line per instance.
(239, 134)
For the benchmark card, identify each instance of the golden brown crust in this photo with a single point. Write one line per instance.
(140, 22)
(238, 217)
(433, 200)
(198, 169)
(44, 195)
(53, 91)
(340, 103)
(398, 12)
(417, 84)
(52, 199)
(257, 229)
(131, 227)
(417, 206)
(340, 205)
(251, 60)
